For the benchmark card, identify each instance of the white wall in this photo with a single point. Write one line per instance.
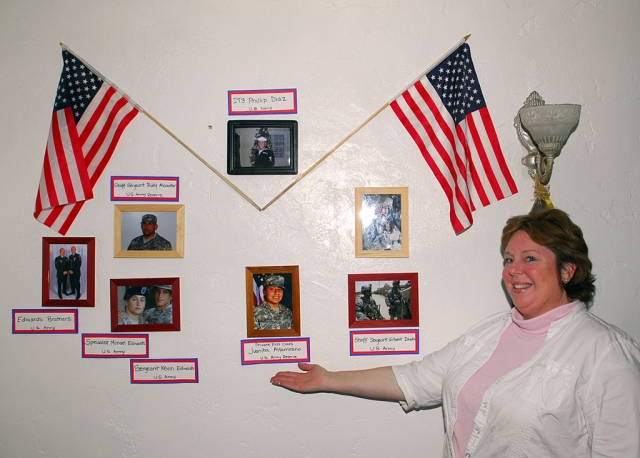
(347, 58)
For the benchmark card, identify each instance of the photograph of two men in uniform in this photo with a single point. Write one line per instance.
(68, 271)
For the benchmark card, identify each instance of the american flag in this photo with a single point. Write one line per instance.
(89, 116)
(446, 115)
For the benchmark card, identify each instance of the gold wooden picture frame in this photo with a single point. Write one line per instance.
(132, 222)
(285, 278)
(382, 222)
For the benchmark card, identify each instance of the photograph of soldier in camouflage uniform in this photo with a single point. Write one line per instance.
(150, 239)
(383, 229)
(151, 304)
(272, 312)
(382, 300)
(273, 301)
(366, 307)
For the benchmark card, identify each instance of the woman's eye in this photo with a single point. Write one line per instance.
(506, 261)
(530, 259)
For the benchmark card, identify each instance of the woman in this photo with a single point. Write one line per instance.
(271, 314)
(134, 303)
(547, 378)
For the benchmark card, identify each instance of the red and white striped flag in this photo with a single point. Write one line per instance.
(446, 115)
(89, 116)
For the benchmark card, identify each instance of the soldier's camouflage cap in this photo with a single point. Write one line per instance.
(169, 287)
(365, 288)
(274, 280)
(149, 219)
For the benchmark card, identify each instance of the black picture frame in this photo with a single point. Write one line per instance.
(242, 141)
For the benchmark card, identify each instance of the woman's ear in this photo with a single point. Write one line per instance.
(567, 271)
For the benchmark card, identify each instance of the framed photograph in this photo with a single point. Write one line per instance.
(145, 304)
(273, 301)
(148, 231)
(382, 222)
(262, 147)
(383, 300)
(69, 271)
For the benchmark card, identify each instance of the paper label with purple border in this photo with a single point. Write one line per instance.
(115, 345)
(164, 370)
(262, 351)
(385, 342)
(263, 101)
(154, 189)
(37, 321)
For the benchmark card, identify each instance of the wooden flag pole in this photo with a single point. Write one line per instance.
(197, 156)
(319, 161)
(159, 124)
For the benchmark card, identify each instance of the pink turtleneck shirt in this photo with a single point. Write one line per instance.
(517, 345)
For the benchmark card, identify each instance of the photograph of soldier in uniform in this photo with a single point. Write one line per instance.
(258, 148)
(274, 309)
(262, 154)
(152, 304)
(67, 272)
(134, 301)
(381, 222)
(150, 238)
(382, 300)
(366, 307)
(273, 301)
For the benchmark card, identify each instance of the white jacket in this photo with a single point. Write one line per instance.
(578, 396)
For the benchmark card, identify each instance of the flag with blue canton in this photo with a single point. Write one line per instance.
(89, 117)
(446, 115)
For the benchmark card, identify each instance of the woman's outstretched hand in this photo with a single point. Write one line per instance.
(311, 380)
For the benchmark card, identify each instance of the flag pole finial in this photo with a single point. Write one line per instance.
(466, 37)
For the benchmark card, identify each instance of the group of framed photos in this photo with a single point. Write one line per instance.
(137, 304)
(272, 292)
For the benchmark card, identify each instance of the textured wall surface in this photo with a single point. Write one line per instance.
(346, 58)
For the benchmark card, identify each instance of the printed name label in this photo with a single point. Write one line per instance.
(261, 351)
(115, 346)
(36, 321)
(163, 189)
(263, 101)
(164, 370)
(384, 342)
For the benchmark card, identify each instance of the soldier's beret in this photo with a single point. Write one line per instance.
(135, 291)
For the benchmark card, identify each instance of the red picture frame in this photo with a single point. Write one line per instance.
(86, 249)
(380, 286)
(148, 286)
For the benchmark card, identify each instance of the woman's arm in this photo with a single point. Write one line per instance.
(379, 383)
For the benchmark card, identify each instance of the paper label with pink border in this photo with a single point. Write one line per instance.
(263, 101)
(115, 345)
(385, 342)
(37, 321)
(154, 189)
(264, 351)
(164, 370)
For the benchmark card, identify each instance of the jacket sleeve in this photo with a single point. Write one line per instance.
(612, 405)
(421, 381)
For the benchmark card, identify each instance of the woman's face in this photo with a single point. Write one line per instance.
(135, 305)
(273, 295)
(531, 277)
